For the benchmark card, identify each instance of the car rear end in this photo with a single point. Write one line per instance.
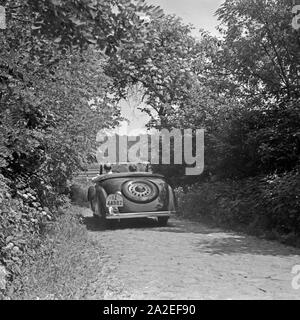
(138, 195)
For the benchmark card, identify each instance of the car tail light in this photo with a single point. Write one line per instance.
(140, 191)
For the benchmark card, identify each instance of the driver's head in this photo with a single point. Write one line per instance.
(107, 167)
(133, 168)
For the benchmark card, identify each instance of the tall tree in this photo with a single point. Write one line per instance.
(265, 47)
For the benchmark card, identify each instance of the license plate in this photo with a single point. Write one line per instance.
(114, 200)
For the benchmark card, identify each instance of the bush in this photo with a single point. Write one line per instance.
(255, 142)
(21, 221)
(261, 204)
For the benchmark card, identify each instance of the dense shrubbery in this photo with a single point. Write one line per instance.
(48, 131)
(259, 205)
(21, 219)
(245, 93)
(255, 142)
(54, 98)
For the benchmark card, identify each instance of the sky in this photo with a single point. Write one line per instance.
(200, 13)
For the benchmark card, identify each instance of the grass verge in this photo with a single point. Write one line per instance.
(67, 263)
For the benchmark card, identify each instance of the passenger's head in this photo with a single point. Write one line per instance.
(107, 167)
(132, 168)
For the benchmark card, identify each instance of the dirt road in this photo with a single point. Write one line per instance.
(188, 260)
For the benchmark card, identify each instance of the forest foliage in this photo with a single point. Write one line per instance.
(54, 98)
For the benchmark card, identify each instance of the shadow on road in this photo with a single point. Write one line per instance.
(209, 240)
(94, 224)
(242, 244)
(174, 225)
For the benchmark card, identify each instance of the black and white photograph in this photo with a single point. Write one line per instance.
(149, 151)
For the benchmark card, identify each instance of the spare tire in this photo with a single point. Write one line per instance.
(140, 191)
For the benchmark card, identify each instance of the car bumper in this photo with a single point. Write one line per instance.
(134, 215)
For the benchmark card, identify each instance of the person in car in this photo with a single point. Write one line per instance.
(132, 168)
(108, 168)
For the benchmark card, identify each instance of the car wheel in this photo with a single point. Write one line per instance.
(100, 214)
(95, 208)
(91, 195)
(103, 217)
(162, 222)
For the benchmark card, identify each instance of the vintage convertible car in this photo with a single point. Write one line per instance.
(127, 195)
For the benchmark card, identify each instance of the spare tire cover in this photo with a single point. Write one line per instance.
(140, 191)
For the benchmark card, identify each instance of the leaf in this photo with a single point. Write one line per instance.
(77, 21)
(35, 27)
(58, 39)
